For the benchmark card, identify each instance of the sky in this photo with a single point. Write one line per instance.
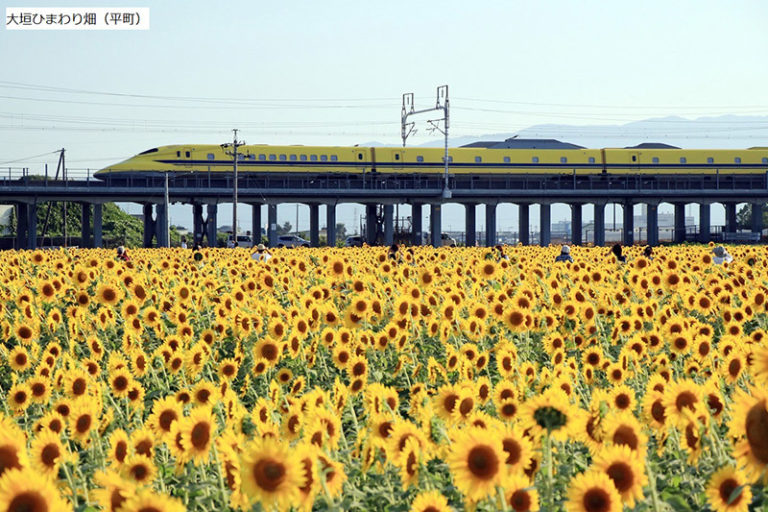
(333, 73)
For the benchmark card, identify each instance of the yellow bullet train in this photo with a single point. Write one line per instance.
(513, 156)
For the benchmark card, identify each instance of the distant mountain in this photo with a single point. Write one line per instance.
(726, 132)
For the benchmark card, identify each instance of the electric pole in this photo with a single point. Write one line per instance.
(407, 128)
(235, 144)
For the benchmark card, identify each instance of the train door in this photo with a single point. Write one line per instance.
(185, 155)
(634, 162)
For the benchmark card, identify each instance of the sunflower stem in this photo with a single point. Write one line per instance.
(652, 481)
(550, 478)
(222, 489)
(502, 498)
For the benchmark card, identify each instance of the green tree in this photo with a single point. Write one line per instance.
(341, 231)
(744, 217)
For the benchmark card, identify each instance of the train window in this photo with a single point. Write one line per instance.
(591, 159)
(419, 158)
(397, 156)
(334, 158)
(535, 160)
(283, 158)
(263, 157)
(359, 156)
(710, 160)
(303, 158)
(187, 152)
(178, 154)
(507, 160)
(634, 158)
(153, 150)
(450, 159)
(563, 160)
(211, 157)
(655, 160)
(323, 158)
(737, 160)
(683, 160)
(240, 157)
(272, 157)
(313, 158)
(765, 160)
(251, 157)
(293, 158)
(478, 159)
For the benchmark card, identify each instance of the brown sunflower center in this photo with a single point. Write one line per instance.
(29, 501)
(9, 458)
(513, 451)
(520, 501)
(139, 472)
(166, 420)
(120, 383)
(201, 434)
(626, 435)
(726, 490)
(121, 450)
(756, 427)
(482, 462)
(116, 499)
(596, 500)
(466, 406)
(49, 454)
(685, 399)
(269, 474)
(622, 476)
(83, 424)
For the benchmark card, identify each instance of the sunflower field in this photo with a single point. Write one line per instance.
(345, 379)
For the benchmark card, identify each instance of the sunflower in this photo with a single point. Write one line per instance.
(47, 453)
(109, 294)
(624, 429)
(19, 397)
(593, 491)
(23, 489)
(146, 500)
(729, 491)
(333, 473)
(197, 434)
(19, 359)
(550, 412)
(119, 446)
(13, 453)
(82, 420)
(749, 426)
(476, 460)
(120, 382)
(164, 413)
(680, 396)
(517, 448)
(139, 469)
(624, 467)
(430, 501)
(519, 493)
(271, 473)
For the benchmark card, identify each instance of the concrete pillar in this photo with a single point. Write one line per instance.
(370, 224)
(85, 224)
(314, 225)
(704, 223)
(272, 224)
(389, 224)
(197, 223)
(256, 223)
(418, 239)
(22, 223)
(470, 229)
(32, 226)
(730, 217)
(98, 216)
(628, 226)
(679, 223)
(490, 225)
(435, 224)
(149, 224)
(330, 222)
(653, 224)
(599, 224)
(757, 218)
(211, 224)
(576, 224)
(524, 230)
(545, 221)
(161, 226)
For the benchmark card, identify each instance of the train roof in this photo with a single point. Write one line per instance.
(652, 145)
(515, 143)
